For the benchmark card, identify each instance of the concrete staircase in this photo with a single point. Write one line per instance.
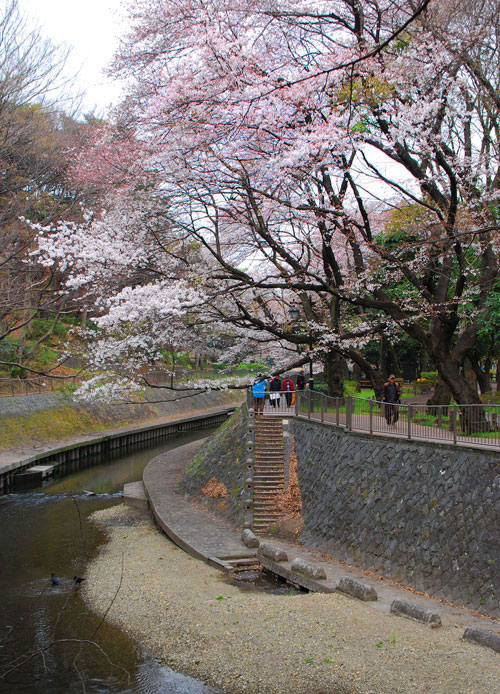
(269, 471)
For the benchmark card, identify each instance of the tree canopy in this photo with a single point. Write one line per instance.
(340, 156)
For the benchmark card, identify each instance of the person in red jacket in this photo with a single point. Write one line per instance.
(288, 387)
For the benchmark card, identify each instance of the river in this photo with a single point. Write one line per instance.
(61, 645)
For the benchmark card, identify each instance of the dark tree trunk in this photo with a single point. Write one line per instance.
(473, 417)
(335, 367)
(376, 377)
(483, 377)
(440, 396)
(395, 360)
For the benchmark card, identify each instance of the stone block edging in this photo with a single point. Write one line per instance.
(411, 610)
(301, 566)
(249, 538)
(299, 580)
(357, 589)
(483, 638)
(272, 552)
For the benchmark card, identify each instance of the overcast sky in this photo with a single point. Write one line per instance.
(92, 28)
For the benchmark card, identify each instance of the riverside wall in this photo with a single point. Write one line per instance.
(45, 417)
(216, 475)
(424, 515)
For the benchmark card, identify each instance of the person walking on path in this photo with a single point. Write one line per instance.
(274, 392)
(288, 387)
(391, 395)
(259, 394)
(301, 380)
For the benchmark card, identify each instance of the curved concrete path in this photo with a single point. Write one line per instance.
(212, 539)
(197, 531)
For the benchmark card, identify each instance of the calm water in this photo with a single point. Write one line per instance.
(44, 531)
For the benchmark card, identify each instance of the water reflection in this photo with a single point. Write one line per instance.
(48, 629)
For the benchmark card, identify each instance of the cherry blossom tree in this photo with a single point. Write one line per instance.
(284, 139)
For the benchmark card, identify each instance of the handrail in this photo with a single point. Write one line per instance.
(451, 424)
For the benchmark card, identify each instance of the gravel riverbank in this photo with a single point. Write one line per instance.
(257, 643)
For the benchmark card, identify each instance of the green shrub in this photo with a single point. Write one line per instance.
(430, 376)
(39, 326)
(45, 357)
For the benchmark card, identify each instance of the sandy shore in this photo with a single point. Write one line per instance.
(195, 622)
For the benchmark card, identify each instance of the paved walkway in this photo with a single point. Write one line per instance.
(202, 534)
(207, 536)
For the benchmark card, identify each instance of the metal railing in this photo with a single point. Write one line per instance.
(282, 403)
(452, 424)
(168, 378)
(10, 387)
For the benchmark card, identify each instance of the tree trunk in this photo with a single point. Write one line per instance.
(497, 374)
(483, 377)
(473, 417)
(376, 377)
(395, 359)
(334, 374)
(440, 396)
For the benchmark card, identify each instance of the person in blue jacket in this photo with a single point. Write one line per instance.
(259, 394)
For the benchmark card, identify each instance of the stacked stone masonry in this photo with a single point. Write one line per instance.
(424, 515)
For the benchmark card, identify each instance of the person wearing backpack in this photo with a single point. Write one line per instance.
(301, 380)
(274, 392)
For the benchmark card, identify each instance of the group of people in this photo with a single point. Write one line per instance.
(391, 394)
(277, 388)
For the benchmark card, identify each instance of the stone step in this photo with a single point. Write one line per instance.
(134, 495)
(266, 514)
(266, 480)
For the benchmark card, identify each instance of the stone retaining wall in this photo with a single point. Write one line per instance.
(424, 515)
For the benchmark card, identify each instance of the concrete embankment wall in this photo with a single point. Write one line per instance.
(424, 515)
(216, 475)
(45, 417)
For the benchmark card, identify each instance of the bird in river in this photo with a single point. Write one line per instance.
(78, 581)
(54, 580)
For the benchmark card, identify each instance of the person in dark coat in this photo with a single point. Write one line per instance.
(391, 395)
(274, 391)
(301, 380)
(288, 387)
